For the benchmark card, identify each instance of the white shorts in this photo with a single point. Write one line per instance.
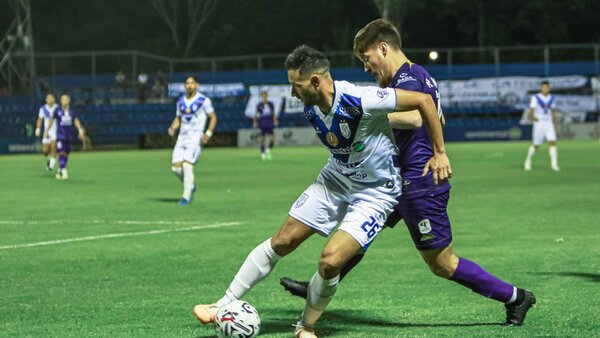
(333, 198)
(543, 131)
(51, 137)
(188, 152)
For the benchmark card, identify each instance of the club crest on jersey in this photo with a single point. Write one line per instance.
(424, 226)
(345, 129)
(331, 139)
(382, 93)
(188, 110)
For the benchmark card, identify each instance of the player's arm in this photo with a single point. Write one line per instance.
(275, 117)
(255, 119)
(212, 124)
(38, 126)
(554, 117)
(532, 105)
(405, 120)
(174, 125)
(79, 127)
(439, 163)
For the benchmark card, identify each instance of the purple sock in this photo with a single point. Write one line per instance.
(471, 275)
(262, 148)
(62, 161)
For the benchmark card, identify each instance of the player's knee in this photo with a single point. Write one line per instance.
(330, 263)
(443, 271)
(284, 242)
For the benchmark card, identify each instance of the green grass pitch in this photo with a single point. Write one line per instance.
(124, 276)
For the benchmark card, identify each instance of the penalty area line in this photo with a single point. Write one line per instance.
(119, 235)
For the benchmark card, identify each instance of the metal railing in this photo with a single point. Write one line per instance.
(132, 62)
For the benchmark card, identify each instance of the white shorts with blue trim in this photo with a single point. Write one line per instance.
(360, 209)
(186, 152)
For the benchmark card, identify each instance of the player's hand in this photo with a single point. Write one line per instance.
(205, 139)
(37, 132)
(171, 131)
(81, 134)
(439, 164)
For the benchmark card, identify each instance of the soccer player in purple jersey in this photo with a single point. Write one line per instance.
(422, 204)
(66, 121)
(265, 119)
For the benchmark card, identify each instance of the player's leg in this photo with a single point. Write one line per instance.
(258, 265)
(299, 288)
(367, 212)
(261, 141)
(64, 148)
(190, 155)
(52, 160)
(537, 140)
(551, 138)
(46, 152)
(270, 145)
(313, 212)
(429, 225)
(177, 161)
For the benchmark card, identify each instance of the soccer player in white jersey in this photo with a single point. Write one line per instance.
(193, 109)
(48, 144)
(542, 113)
(356, 189)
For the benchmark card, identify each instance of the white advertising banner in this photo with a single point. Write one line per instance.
(211, 90)
(284, 137)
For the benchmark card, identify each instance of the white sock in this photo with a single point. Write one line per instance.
(530, 153)
(255, 268)
(52, 162)
(553, 156)
(320, 293)
(178, 172)
(188, 180)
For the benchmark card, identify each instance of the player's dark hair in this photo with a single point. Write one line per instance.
(307, 60)
(544, 83)
(190, 77)
(65, 93)
(376, 32)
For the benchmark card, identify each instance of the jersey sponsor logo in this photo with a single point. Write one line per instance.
(331, 139)
(404, 77)
(341, 151)
(354, 112)
(424, 226)
(345, 129)
(301, 200)
(382, 93)
(342, 111)
(427, 237)
(358, 176)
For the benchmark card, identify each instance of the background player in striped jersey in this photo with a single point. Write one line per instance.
(193, 109)
(265, 119)
(423, 202)
(66, 121)
(48, 144)
(543, 115)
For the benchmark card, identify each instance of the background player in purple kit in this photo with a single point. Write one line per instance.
(265, 119)
(66, 121)
(422, 204)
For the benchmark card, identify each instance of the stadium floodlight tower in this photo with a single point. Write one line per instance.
(17, 64)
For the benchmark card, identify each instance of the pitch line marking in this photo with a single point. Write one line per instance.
(119, 235)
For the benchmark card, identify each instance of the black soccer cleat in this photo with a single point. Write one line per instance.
(295, 287)
(515, 314)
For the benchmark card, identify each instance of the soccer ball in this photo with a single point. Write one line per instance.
(237, 319)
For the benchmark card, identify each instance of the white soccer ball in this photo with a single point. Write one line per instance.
(237, 319)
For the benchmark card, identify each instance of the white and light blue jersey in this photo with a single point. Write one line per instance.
(193, 113)
(542, 107)
(46, 112)
(357, 132)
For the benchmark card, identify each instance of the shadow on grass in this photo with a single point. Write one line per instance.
(587, 276)
(165, 199)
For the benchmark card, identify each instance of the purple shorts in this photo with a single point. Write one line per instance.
(266, 130)
(63, 146)
(426, 218)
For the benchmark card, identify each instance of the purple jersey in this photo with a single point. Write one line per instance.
(414, 144)
(265, 112)
(64, 120)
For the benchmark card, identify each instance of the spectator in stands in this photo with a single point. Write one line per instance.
(159, 88)
(121, 80)
(142, 82)
(266, 119)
